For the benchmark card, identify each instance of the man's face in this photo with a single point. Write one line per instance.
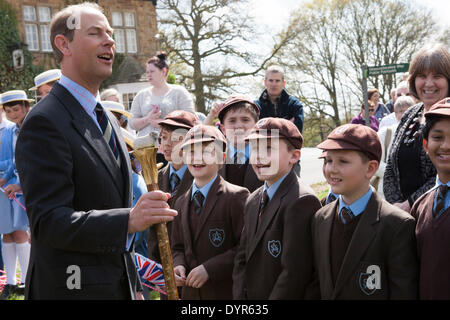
(43, 90)
(92, 50)
(274, 83)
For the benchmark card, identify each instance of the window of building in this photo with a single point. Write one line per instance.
(37, 28)
(124, 25)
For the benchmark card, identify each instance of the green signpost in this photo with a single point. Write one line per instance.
(376, 71)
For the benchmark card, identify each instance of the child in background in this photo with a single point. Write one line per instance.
(15, 238)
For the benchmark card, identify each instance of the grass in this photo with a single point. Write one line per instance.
(321, 189)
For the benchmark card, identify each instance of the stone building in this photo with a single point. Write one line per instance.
(135, 28)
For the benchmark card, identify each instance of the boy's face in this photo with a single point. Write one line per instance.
(348, 174)
(169, 144)
(438, 148)
(16, 113)
(271, 158)
(203, 160)
(237, 125)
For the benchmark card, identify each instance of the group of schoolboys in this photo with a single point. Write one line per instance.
(277, 242)
(248, 228)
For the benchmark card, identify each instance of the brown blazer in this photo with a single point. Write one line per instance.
(383, 247)
(222, 212)
(251, 181)
(275, 260)
(164, 185)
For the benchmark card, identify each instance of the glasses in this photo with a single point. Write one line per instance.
(403, 94)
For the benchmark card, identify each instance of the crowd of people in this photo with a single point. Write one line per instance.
(241, 223)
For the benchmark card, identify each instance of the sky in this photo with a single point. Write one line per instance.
(275, 14)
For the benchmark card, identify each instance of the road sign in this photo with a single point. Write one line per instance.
(387, 69)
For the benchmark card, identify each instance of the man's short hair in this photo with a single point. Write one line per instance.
(275, 69)
(60, 24)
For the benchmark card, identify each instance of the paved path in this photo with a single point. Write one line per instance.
(311, 166)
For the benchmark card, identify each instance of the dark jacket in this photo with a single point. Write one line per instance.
(222, 213)
(77, 200)
(383, 240)
(287, 106)
(275, 260)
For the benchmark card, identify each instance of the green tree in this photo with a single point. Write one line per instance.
(11, 79)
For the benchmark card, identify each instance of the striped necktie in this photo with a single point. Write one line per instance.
(198, 201)
(174, 182)
(108, 132)
(440, 200)
(263, 203)
(346, 215)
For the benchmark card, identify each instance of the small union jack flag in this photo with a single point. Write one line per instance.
(149, 270)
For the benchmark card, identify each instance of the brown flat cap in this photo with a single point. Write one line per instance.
(277, 128)
(441, 108)
(203, 133)
(233, 100)
(354, 137)
(180, 119)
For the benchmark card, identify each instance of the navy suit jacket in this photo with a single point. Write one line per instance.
(77, 200)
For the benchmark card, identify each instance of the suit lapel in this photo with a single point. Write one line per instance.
(324, 233)
(361, 239)
(270, 210)
(184, 207)
(165, 179)
(209, 204)
(125, 159)
(91, 133)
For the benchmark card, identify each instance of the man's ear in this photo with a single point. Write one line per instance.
(62, 43)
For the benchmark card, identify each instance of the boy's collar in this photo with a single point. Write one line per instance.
(205, 189)
(359, 205)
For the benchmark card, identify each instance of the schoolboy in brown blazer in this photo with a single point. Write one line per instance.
(237, 116)
(364, 247)
(432, 210)
(174, 178)
(274, 260)
(206, 235)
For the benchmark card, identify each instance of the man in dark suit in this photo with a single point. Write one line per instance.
(76, 175)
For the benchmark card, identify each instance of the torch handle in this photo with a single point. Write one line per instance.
(166, 255)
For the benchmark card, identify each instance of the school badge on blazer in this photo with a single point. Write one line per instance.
(274, 247)
(216, 237)
(370, 280)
